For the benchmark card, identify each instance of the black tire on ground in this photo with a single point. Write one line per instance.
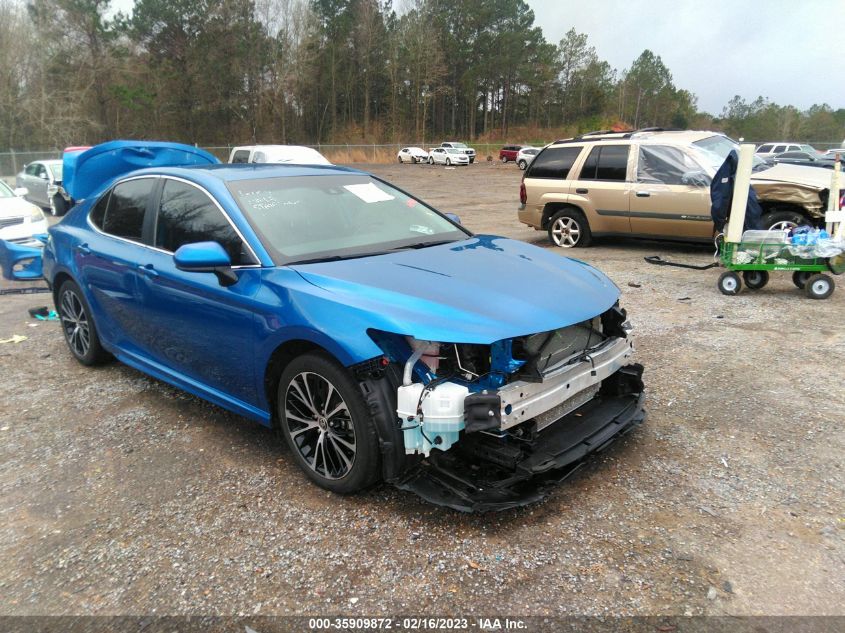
(78, 325)
(58, 206)
(729, 283)
(782, 220)
(448, 162)
(325, 423)
(568, 228)
(522, 164)
(819, 286)
(430, 160)
(755, 279)
(471, 161)
(504, 159)
(799, 278)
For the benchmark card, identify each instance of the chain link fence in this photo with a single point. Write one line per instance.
(12, 162)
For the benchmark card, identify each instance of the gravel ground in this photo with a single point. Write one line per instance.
(122, 495)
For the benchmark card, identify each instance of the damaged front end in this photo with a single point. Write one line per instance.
(490, 427)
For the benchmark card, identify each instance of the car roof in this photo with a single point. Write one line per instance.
(249, 171)
(647, 136)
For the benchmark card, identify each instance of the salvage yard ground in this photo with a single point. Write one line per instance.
(120, 494)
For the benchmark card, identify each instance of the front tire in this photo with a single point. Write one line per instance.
(729, 283)
(568, 228)
(326, 425)
(819, 286)
(58, 206)
(783, 220)
(522, 164)
(430, 160)
(78, 325)
(504, 159)
(448, 162)
(755, 279)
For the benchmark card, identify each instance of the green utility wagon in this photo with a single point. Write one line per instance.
(755, 260)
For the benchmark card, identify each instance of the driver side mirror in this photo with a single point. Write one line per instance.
(454, 217)
(20, 192)
(206, 257)
(696, 179)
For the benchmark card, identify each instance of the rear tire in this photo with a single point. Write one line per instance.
(568, 228)
(448, 162)
(504, 159)
(78, 325)
(819, 286)
(325, 423)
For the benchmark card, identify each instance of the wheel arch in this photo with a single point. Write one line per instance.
(553, 207)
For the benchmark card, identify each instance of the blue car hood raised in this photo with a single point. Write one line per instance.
(86, 172)
(480, 290)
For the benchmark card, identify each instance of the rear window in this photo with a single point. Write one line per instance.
(554, 162)
(606, 162)
(764, 149)
(241, 156)
(127, 205)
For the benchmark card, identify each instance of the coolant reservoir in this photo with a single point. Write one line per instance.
(442, 419)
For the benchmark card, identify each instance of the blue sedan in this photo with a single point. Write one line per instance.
(380, 338)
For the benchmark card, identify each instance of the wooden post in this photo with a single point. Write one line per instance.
(742, 182)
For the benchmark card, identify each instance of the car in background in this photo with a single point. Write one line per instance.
(770, 150)
(360, 323)
(654, 184)
(294, 154)
(412, 155)
(43, 181)
(20, 219)
(814, 159)
(832, 153)
(509, 152)
(526, 155)
(460, 146)
(447, 156)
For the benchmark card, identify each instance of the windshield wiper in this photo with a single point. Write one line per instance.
(417, 245)
(333, 258)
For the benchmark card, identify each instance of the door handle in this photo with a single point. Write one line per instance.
(582, 190)
(83, 248)
(643, 194)
(148, 270)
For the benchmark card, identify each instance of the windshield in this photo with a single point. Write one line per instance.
(715, 149)
(453, 151)
(318, 218)
(5, 192)
(459, 145)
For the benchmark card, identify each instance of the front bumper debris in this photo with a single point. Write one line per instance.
(483, 472)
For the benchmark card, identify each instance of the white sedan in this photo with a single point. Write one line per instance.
(412, 155)
(526, 155)
(447, 156)
(19, 219)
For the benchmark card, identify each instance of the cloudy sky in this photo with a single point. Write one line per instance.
(791, 51)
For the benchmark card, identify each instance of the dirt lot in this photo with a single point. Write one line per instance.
(122, 495)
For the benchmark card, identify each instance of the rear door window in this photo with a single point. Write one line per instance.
(241, 156)
(187, 215)
(779, 149)
(127, 205)
(606, 162)
(764, 149)
(554, 162)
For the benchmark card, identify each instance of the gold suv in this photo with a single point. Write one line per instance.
(653, 184)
